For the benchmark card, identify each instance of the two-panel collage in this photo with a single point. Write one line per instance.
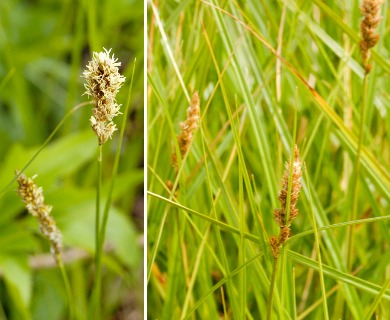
(194, 159)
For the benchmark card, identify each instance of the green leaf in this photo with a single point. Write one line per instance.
(18, 280)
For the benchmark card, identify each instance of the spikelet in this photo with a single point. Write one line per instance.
(371, 18)
(275, 246)
(280, 215)
(103, 82)
(187, 128)
(32, 196)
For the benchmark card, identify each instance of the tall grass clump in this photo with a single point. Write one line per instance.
(89, 212)
(228, 244)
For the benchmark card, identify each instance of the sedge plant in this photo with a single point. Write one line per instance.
(209, 251)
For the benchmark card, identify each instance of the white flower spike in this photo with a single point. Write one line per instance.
(103, 82)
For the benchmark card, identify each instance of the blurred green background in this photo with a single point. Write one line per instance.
(44, 48)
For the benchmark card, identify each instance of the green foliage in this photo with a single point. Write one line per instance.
(256, 64)
(45, 47)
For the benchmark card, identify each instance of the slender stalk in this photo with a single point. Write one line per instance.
(317, 244)
(103, 228)
(100, 226)
(98, 187)
(95, 312)
(363, 112)
(67, 287)
(377, 300)
(70, 112)
(272, 289)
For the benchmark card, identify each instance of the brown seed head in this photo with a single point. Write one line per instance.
(295, 189)
(284, 234)
(280, 215)
(371, 19)
(275, 246)
(188, 127)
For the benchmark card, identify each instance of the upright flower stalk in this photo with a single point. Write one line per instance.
(103, 82)
(371, 18)
(184, 139)
(288, 198)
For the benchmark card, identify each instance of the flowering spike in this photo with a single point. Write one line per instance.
(188, 127)
(371, 18)
(32, 196)
(295, 188)
(280, 215)
(103, 82)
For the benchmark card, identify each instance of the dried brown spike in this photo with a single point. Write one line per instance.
(371, 19)
(295, 187)
(284, 234)
(170, 186)
(275, 246)
(279, 217)
(280, 214)
(187, 128)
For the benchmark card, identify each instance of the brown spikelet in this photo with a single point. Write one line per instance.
(187, 127)
(371, 18)
(275, 246)
(280, 215)
(295, 188)
(284, 234)
(170, 186)
(32, 196)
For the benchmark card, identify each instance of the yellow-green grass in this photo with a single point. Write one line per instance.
(256, 64)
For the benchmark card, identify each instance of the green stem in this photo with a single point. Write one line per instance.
(67, 287)
(95, 314)
(317, 244)
(272, 289)
(350, 237)
(98, 187)
(70, 112)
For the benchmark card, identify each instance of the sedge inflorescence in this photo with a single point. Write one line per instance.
(32, 196)
(371, 19)
(103, 82)
(287, 212)
(187, 127)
